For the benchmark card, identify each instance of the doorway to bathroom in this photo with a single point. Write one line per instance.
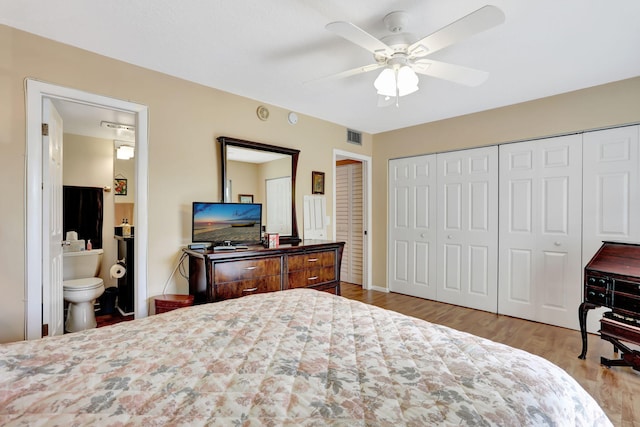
(41, 293)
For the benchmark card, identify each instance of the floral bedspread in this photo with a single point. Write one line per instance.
(295, 358)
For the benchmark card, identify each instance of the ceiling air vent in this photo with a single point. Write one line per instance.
(354, 137)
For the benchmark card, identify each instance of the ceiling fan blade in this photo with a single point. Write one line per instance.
(482, 19)
(453, 73)
(355, 35)
(348, 73)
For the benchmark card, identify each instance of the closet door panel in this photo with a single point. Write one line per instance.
(540, 230)
(468, 228)
(412, 227)
(611, 193)
(478, 265)
(519, 270)
(452, 264)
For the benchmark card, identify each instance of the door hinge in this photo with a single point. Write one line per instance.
(45, 129)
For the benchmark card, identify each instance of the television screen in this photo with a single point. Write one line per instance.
(218, 222)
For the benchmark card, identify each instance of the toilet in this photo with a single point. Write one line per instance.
(81, 287)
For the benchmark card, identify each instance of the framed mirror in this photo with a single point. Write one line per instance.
(265, 174)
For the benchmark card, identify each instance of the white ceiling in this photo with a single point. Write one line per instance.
(267, 50)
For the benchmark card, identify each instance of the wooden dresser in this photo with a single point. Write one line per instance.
(220, 275)
(612, 279)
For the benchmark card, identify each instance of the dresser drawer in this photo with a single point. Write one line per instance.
(232, 271)
(242, 288)
(312, 260)
(311, 277)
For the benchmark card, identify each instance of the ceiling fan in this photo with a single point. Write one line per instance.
(401, 57)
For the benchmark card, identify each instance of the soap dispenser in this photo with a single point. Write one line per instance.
(89, 245)
(126, 228)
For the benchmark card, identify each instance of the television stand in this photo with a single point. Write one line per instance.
(216, 275)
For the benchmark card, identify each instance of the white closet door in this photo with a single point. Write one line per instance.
(467, 237)
(611, 196)
(412, 226)
(540, 230)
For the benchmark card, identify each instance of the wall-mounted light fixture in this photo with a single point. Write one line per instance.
(124, 150)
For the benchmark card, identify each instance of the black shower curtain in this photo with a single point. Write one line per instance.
(83, 212)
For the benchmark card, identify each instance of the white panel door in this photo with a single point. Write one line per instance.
(52, 291)
(315, 217)
(412, 226)
(611, 195)
(279, 205)
(467, 230)
(540, 230)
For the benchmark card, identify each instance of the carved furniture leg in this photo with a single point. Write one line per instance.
(582, 316)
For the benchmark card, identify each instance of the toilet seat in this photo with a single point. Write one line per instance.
(82, 284)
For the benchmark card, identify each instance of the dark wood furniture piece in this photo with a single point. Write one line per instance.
(168, 302)
(220, 275)
(617, 333)
(612, 279)
(125, 283)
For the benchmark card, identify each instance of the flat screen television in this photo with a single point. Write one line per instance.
(239, 223)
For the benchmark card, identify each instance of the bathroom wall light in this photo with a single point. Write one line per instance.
(124, 153)
(124, 150)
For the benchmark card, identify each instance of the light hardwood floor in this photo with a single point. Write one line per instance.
(616, 389)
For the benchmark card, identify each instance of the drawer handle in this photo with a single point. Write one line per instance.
(250, 290)
(312, 259)
(312, 278)
(250, 268)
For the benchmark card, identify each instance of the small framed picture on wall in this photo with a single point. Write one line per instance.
(245, 198)
(120, 185)
(317, 182)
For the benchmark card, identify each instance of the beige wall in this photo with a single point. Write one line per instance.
(244, 180)
(184, 120)
(125, 168)
(601, 106)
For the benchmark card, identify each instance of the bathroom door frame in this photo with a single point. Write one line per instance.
(36, 237)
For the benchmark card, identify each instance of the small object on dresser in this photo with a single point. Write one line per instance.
(170, 302)
(89, 245)
(273, 239)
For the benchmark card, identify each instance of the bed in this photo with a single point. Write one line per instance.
(298, 358)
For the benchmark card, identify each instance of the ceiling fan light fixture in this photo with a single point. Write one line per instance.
(400, 82)
(407, 81)
(386, 82)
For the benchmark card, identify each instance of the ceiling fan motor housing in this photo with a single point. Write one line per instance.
(396, 21)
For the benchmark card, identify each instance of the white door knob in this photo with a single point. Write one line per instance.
(449, 236)
(557, 243)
